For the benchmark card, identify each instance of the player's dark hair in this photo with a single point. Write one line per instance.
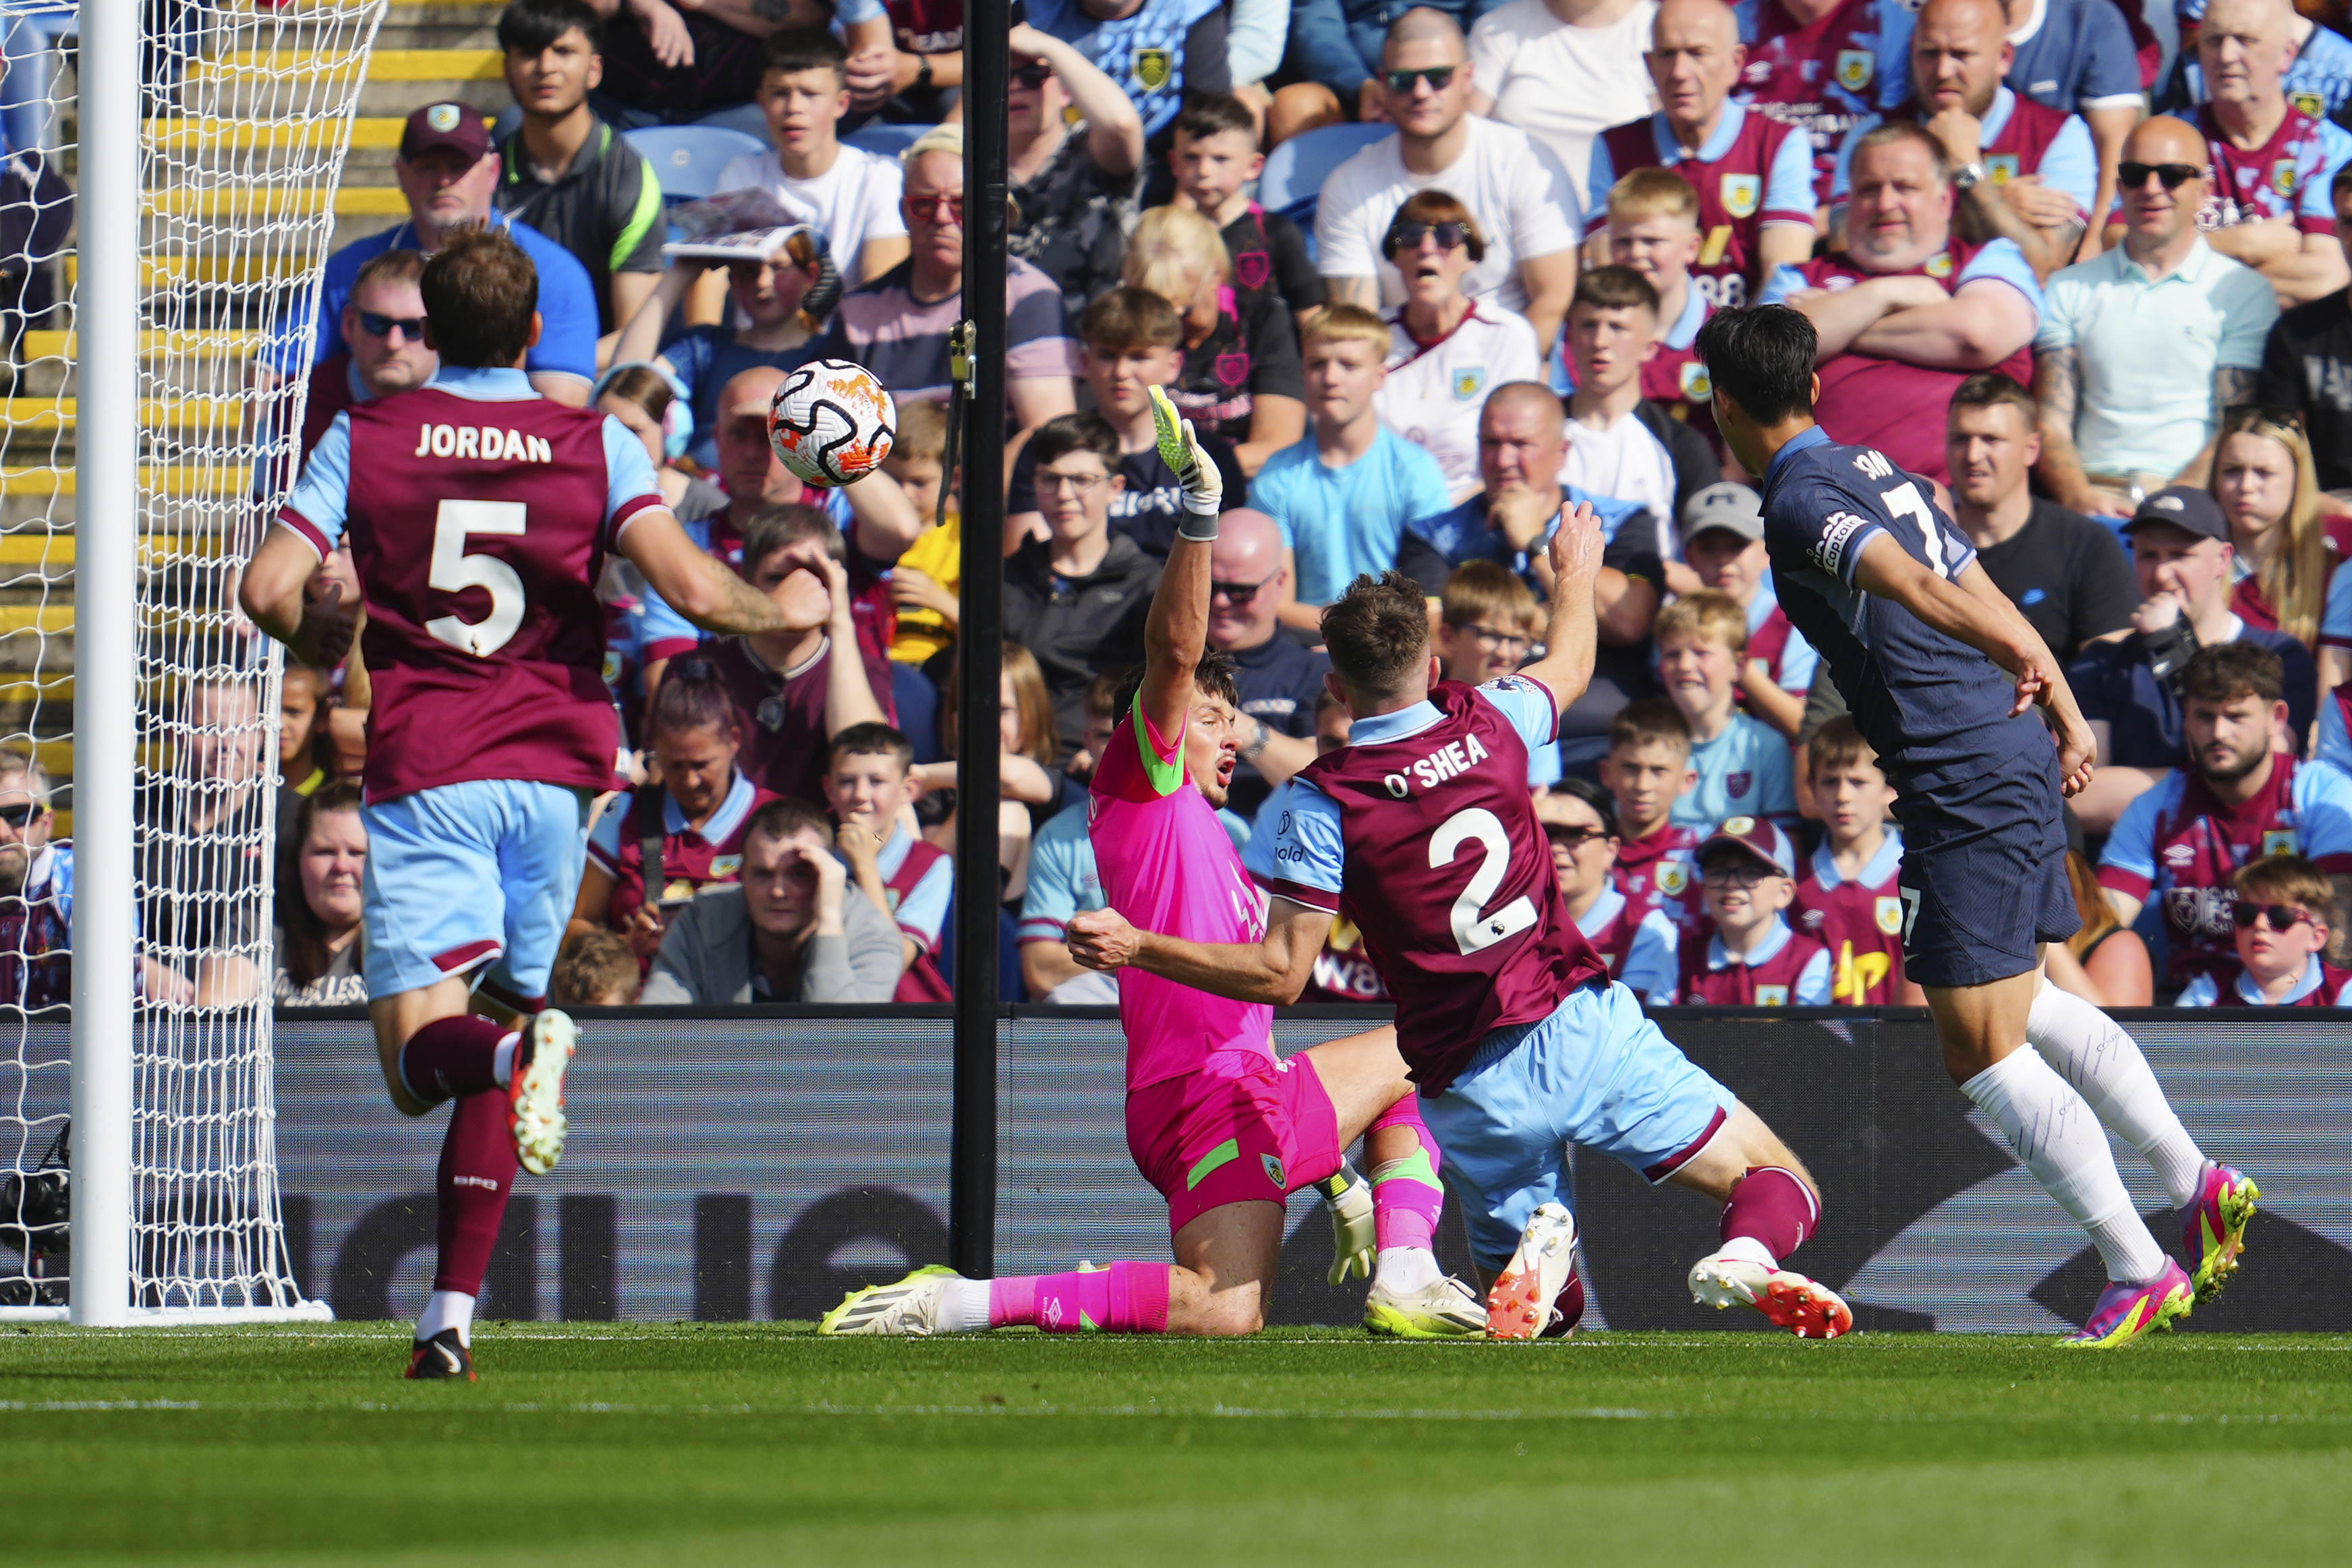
(797, 49)
(479, 291)
(692, 696)
(2284, 879)
(1990, 389)
(1614, 288)
(1761, 357)
(592, 966)
(1603, 804)
(2231, 671)
(773, 527)
(1211, 677)
(1128, 318)
(1378, 635)
(1652, 718)
(1838, 744)
(780, 818)
(1213, 114)
(873, 738)
(529, 26)
(1064, 433)
(303, 953)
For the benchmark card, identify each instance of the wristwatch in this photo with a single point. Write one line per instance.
(923, 73)
(1968, 177)
(1249, 753)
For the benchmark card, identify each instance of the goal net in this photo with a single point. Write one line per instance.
(245, 118)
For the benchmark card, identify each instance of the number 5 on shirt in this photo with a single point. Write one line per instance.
(454, 572)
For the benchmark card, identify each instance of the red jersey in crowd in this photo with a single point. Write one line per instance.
(1783, 970)
(1659, 872)
(1859, 922)
(2251, 605)
(1637, 942)
(2322, 984)
(1823, 76)
(782, 713)
(2016, 147)
(1343, 970)
(649, 828)
(2287, 177)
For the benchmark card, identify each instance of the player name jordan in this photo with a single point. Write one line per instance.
(1448, 762)
(486, 443)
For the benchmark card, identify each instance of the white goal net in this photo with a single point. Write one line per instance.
(246, 116)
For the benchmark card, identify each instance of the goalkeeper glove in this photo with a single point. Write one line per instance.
(1181, 449)
(1354, 1239)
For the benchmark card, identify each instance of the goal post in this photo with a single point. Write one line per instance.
(203, 161)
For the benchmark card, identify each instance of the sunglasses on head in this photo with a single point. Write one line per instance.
(1439, 78)
(2242, 413)
(1034, 74)
(1405, 233)
(2281, 916)
(376, 326)
(19, 813)
(2174, 175)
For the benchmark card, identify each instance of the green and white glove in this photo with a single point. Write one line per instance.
(1354, 1237)
(1203, 486)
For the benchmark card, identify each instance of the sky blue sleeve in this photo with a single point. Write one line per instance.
(656, 623)
(2322, 815)
(2070, 163)
(2131, 845)
(1527, 705)
(1896, 20)
(1788, 184)
(1813, 986)
(1306, 848)
(1841, 177)
(628, 472)
(1052, 897)
(1427, 495)
(604, 837)
(2314, 202)
(1776, 777)
(567, 312)
(925, 908)
(1798, 660)
(1601, 175)
(2335, 746)
(323, 493)
(2003, 260)
(2200, 992)
(848, 12)
(2336, 620)
(1650, 964)
(1785, 280)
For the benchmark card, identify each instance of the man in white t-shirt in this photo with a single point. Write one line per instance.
(1517, 189)
(845, 193)
(1564, 71)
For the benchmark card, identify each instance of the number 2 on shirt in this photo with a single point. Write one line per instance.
(1472, 931)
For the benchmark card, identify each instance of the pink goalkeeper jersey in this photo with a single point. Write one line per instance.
(1168, 865)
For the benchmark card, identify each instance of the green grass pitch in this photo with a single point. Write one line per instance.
(587, 1445)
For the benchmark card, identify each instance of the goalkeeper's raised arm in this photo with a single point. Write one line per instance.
(1177, 627)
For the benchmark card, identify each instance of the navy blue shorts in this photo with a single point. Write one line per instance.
(1984, 876)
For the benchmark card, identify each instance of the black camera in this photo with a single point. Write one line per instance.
(36, 1220)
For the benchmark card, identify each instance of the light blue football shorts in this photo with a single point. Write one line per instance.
(1598, 1073)
(480, 875)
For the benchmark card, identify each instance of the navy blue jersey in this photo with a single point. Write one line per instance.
(1935, 709)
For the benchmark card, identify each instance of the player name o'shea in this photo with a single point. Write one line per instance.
(486, 443)
(1454, 757)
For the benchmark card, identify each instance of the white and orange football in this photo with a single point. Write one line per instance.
(831, 422)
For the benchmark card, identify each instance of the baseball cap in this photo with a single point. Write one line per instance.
(1734, 508)
(1759, 836)
(456, 126)
(2186, 508)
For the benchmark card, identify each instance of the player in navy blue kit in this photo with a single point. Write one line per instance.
(1890, 593)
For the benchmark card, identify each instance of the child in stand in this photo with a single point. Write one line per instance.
(1747, 868)
(1216, 159)
(1742, 763)
(1848, 901)
(1647, 770)
(1484, 614)
(905, 878)
(595, 969)
(1723, 549)
(1637, 943)
(2282, 929)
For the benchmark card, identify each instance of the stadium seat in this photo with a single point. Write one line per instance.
(1294, 171)
(889, 140)
(687, 159)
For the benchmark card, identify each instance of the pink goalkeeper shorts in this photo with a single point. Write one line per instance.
(1257, 1135)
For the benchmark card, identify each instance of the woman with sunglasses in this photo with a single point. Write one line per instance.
(772, 298)
(1076, 185)
(1449, 351)
(1241, 378)
(2287, 545)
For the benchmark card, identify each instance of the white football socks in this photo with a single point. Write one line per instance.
(502, 1064)
(2055, 1132)
(448, 1309)
(2093, 1052)
(1405, 1270)
(963, 1307)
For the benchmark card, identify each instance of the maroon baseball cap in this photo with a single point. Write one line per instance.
(456, 126)
(1759, 836)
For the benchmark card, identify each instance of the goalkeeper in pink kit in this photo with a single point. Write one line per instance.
(1222, 1128)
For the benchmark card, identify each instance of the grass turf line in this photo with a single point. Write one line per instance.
(586, 1445)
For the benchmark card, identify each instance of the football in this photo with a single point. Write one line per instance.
(831, 422)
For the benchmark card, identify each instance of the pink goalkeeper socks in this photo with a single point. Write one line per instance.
(1772, 1207)
(1126, 1297)
(1406, 1197)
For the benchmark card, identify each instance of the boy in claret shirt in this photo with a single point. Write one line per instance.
(1847, 901)
(2281, 918)
(1646, 771)
(1753, 959)
(1216, 159)
(1742, 763)
(905, 878)
(1723, 549)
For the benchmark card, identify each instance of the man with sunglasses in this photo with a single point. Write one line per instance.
(35, 891)
(2143, 346)
(2180, 843)
(384, 328)
(1516, 187)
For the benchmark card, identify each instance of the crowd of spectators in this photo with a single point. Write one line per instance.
(2097, 301)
